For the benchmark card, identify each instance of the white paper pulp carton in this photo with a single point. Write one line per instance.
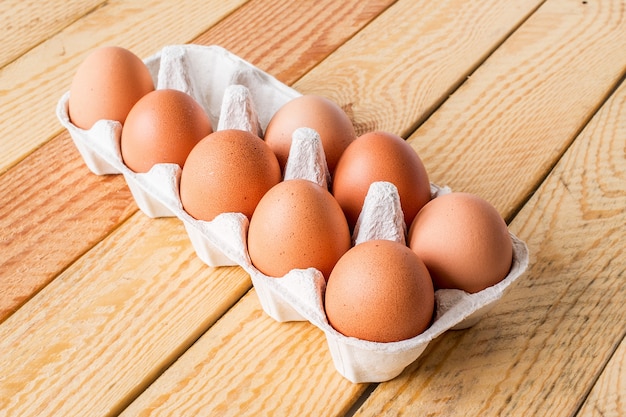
(235, 94)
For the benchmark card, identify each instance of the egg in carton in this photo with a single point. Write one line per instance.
(204, 72)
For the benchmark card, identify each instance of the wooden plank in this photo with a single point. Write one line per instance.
(607, 398)
(254, 367)
(192, 380)
(318, 33)
(419, 60)
(28, 23)
(53, 211)
(31, 86)
(32, 255)
(543, 346)
(527, 103)
(159, 253)
(111, 322)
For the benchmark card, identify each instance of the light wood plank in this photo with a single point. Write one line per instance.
(419, 60)
(248, 364)
(608, 396)
(541, 348)
(313, 32)
(112, 322)
(28, 23)
(527, 103)
(31, 86)
(53, 210)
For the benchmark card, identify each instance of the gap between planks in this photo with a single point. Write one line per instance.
(31, 24)
(606, 397)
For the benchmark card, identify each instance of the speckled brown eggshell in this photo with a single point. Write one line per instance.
(297, 225)
(228, 171)
(106, 85)
(162, 127)
(380, 156)
(380, 291)
(463, 241)
(316, 112)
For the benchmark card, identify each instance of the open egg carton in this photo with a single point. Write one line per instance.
(235, 94)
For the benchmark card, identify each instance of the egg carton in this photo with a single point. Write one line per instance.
(235, 94)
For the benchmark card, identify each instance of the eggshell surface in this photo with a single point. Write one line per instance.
(380, 291)
(297, 225)
(463, 241)
(106, 85)
(227, 172)
(316, 112)
(380, 156)
(162, 127)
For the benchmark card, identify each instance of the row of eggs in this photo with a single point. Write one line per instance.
(377, 290)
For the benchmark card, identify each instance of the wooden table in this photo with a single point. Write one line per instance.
(105, 311)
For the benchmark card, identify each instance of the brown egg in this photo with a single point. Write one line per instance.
(297, 225)
(380, 291)
(319, 113)
(227, 172)
(463, 241)
(380, 156)
(162, 127)
(106, 86)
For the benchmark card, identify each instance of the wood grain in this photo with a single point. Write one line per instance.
(525, 105)
(31, 86)
(28, 23)
(607, 396)
(541, 348)
(257, 367)
(53, 211)
(111, 322)
(420, 61)
(314, 29)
